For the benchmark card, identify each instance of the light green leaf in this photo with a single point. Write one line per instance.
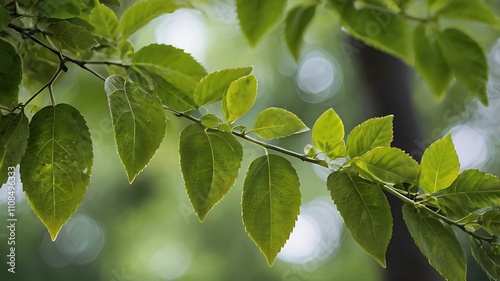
(104, 21)
(57, 165)
(271, 203)
(473, 10)
(14, 132)
(139, 123)
(429, 60)
(383, 30)
(466, 60)
(174, 72)
(437, 241)
(389, 165)
(210, 121)
(71, 37)
(296, 24)
(11, 73)
(365, 210)
(258, 16)
(439, 165)
(472, 190)
(487, 259)
(210, 161)
(328, 134)
(61, 9)
(4, 18)
(239, 98)
(213, 86)
(142, 12)
(275, 123)
(370, 134)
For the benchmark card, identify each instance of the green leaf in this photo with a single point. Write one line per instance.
(383, 30)
(61, 9)
(258, 16)
(296, 24)
(239, 98)
(487, 259)
(429, 60)
(4, 18)
(139, 123)
(57, 165)
(439, 165)
(71, 37)
(174, 72)
(271, 203)
(466, 60)
(111, 2)
(370, 134)
(14, 132)
(11, 73)
(142, 12)
(473, 10)
(490, 221)
(389, 165)
(366, 212)
(210, 161)
(104, 21)
(213, 86)
(472, 190)
(210, 121)
(328, 134)
(275, 123)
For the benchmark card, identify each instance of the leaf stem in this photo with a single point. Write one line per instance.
(47, 85)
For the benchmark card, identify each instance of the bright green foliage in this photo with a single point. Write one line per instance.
(210, 161)
(297, 21)
(328, 134)
(239, 98)
(14, 132)
(275, 123)
(487, 259)
(139, 123)
(439, 166)
(213, 86)
(271, 203)
(258, 16)
(61, 9)
(473, 10)
(429, 60)
(11, 71)
(370, 134)
(57, 165)
(459, 50)
(68, 36)
(365, 210)
(104, 21)
(142, 12)
(389, 165)
(438, 243)
(472, 190)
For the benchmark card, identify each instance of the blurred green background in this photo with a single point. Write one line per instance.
(148, 230)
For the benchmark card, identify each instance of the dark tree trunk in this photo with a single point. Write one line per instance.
(388, 90)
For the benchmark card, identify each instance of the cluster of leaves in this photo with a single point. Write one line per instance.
(54, 149)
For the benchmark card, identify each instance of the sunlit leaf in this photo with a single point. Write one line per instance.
(58, 9)
(11, 73)
(370, 134)
(275, 123)
(139, 123)
(365, 211)
(210, 161)
(437, 241)
(473, 10)
(328, 134)
(14, 132)
(104, 21)
(239, 98)
(297, 21)
(57, 165)
(270, 203)
(71, 37)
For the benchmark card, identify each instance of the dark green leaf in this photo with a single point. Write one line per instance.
(437, 241)
(258, 16)
(270, 203)
(239, 98)
(14, 133)
(104, 21)
(61, 9)
(365, 210)
(487, 259)
(370, 134)
(275, 123)
(297, 21)
(4, 18)
(213, 86)
(71, 37)
(57, 165)
(210, 161)
(111, 2)
(473, 10)
(139, 123)
(490, 221)
(328, 134)
(11, 73)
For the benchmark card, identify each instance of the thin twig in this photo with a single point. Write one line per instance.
(48, 84)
